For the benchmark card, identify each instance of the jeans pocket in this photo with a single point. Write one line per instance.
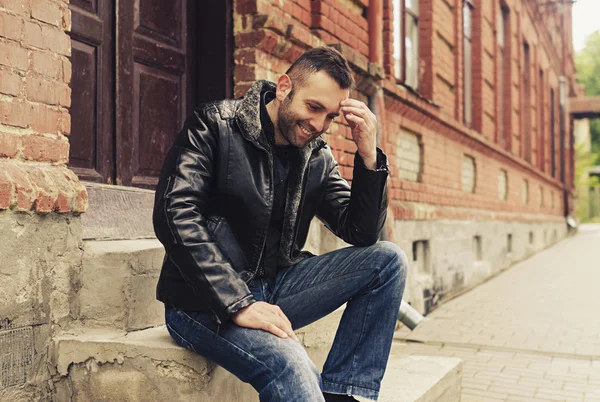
(181, 341)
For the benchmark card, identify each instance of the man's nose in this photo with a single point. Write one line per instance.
(320, 125)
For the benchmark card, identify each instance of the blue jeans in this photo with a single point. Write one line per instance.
(370, 279)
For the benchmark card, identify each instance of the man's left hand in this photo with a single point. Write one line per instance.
(363, 124)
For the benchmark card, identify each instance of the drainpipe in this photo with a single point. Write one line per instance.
(407, 315)
(377, 74)
(562, 98)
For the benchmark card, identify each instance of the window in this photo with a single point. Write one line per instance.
(525, 192)
(509, 243)
(468, 62)
(406, 42)
(477, 248)
(469, 174)
(552, 134)
(421, 255)
(410, 156)
(502, 185)
(503, 84)
(526, 136)
(541, 125)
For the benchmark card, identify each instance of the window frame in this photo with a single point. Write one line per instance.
(467, 100)
(403, 14)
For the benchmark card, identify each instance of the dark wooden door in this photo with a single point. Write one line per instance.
(155, 77)
(139, 68)
(92, 99)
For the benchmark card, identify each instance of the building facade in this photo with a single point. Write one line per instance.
(470, 96)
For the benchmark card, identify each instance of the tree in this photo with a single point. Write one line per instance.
(588, 73)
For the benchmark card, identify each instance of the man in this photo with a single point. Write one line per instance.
(233, 207)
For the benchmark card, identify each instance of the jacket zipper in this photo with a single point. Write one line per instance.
(260, 270)
(302, 197)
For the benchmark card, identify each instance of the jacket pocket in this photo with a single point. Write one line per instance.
(224, 238)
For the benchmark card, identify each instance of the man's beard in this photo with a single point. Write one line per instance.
(287, 122)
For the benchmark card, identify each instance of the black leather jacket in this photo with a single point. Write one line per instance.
(214, 198)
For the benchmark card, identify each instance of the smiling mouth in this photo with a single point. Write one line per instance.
(304, 130)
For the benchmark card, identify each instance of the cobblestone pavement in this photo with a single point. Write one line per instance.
(530, 334)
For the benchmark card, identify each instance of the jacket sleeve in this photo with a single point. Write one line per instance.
(180, 219)
(357, 214)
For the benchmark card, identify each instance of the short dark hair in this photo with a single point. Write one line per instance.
(325, 59)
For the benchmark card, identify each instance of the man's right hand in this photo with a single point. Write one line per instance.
(265, 316)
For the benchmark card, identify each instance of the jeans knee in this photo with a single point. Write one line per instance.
(389, 252)
(296, 378)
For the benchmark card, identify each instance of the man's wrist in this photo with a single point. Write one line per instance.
(370, 161)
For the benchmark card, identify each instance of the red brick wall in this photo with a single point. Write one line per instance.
(35, 123)
(270, 34)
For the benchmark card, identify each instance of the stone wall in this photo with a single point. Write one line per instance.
(40, 199)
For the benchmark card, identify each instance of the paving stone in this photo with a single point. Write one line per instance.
(530, 334)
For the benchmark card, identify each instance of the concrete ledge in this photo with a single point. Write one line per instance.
(421, 379)
(103, 365)
(117, 284)
(117, 212)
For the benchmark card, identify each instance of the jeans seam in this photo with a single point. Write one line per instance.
(320, 283)
(188, 343)
(362, 332)
(242, 351)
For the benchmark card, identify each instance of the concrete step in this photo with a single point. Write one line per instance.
(102, 365)
(117, 284)
(118, 212)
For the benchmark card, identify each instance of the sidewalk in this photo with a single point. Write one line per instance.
(530, 334)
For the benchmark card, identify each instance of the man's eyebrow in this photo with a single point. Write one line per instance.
(321, 106)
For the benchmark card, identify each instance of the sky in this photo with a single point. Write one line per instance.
(586, 19)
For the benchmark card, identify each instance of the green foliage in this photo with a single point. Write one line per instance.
(588, 73)
(588, 65)
(584, 161)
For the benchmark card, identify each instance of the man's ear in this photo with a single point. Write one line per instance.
(284, 86)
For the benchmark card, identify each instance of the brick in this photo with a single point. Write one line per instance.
(47, 64)
(11, 26)
(15, 113)
(22, 187)
(45, 149)
(49, 92)
(81, 202)
(5, 191)
(245, 73)
(12, 55)
(41, 90)
(65, 123)
(64, 95)
(32, 35)
(45, 119)
(16, 6)
(66, 70)
(61, 204)
(43, 203)
(10, 83)
(56, 40)
(9, 145)
(46, 11)
(66, 19)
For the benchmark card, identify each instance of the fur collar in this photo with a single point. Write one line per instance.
(248, 116)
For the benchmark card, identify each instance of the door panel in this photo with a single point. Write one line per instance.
(156, 121)
(136, 76)
(153, 77)
(91, 136)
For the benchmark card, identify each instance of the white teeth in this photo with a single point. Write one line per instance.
(305, 131)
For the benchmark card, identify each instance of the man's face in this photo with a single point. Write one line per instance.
(310, 110)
